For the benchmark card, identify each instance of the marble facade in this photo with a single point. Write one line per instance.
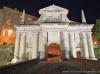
(53, 27)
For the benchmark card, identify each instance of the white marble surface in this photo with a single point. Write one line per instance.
(53, 37)
(38, 37)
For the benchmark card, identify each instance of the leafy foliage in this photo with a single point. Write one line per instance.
(6, 54)
(98, 29)
(97, 52)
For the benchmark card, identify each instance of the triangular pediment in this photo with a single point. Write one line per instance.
(53, 8)
(54, 13)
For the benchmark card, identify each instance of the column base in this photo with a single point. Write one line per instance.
(21, 60)
(74, 55)
(42, 55)
(67, 57)
(93, 58)
(14, 60)
(87, 58)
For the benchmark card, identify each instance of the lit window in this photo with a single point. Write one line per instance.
(6, 33)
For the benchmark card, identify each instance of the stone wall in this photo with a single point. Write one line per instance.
(15, 16)
(1, 16)
(11, 14)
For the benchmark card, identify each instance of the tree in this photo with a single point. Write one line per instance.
(98, 29)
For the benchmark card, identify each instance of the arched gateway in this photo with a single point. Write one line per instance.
(52, 32)
(78, 55)
(54, 52)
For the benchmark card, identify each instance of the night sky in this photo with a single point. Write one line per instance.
(90, 7)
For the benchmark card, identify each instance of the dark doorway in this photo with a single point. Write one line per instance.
(4, 43)
(78, 55)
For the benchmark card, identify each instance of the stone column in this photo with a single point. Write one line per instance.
(66, 44)
(34, 46)
(90, 46)
(17, 48)
(85, 53)
(29, 45)
(22, 47)
(42, 44)
(72, 44)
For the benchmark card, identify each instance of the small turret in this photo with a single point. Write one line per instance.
(23, 17)
(83, 17)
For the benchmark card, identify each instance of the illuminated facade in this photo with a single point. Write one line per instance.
(7, 33)
(53, 27)
(7, 30)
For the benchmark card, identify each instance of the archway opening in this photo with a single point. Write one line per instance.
(4, 43)
(54, 53)
(78, 55)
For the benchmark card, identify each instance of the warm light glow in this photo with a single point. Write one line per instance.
(4, 32)
(54, 52)
(29, 19)
(10, 31)
(95, 42)
(9, 22)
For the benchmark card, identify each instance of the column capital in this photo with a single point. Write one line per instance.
(35, 33)
(23, 34)
(89, 32)
(71, 32)
(17, 33)
(86, 32)
(83, 32)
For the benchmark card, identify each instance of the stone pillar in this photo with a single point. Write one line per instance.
(66, 44)
(22, 47)
(72, 44)
(90, 46)
(35, 46)
(29, 45)
(42, 44)
(85, 53)
(17, 48)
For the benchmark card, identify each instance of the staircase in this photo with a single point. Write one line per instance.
(45, 67)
